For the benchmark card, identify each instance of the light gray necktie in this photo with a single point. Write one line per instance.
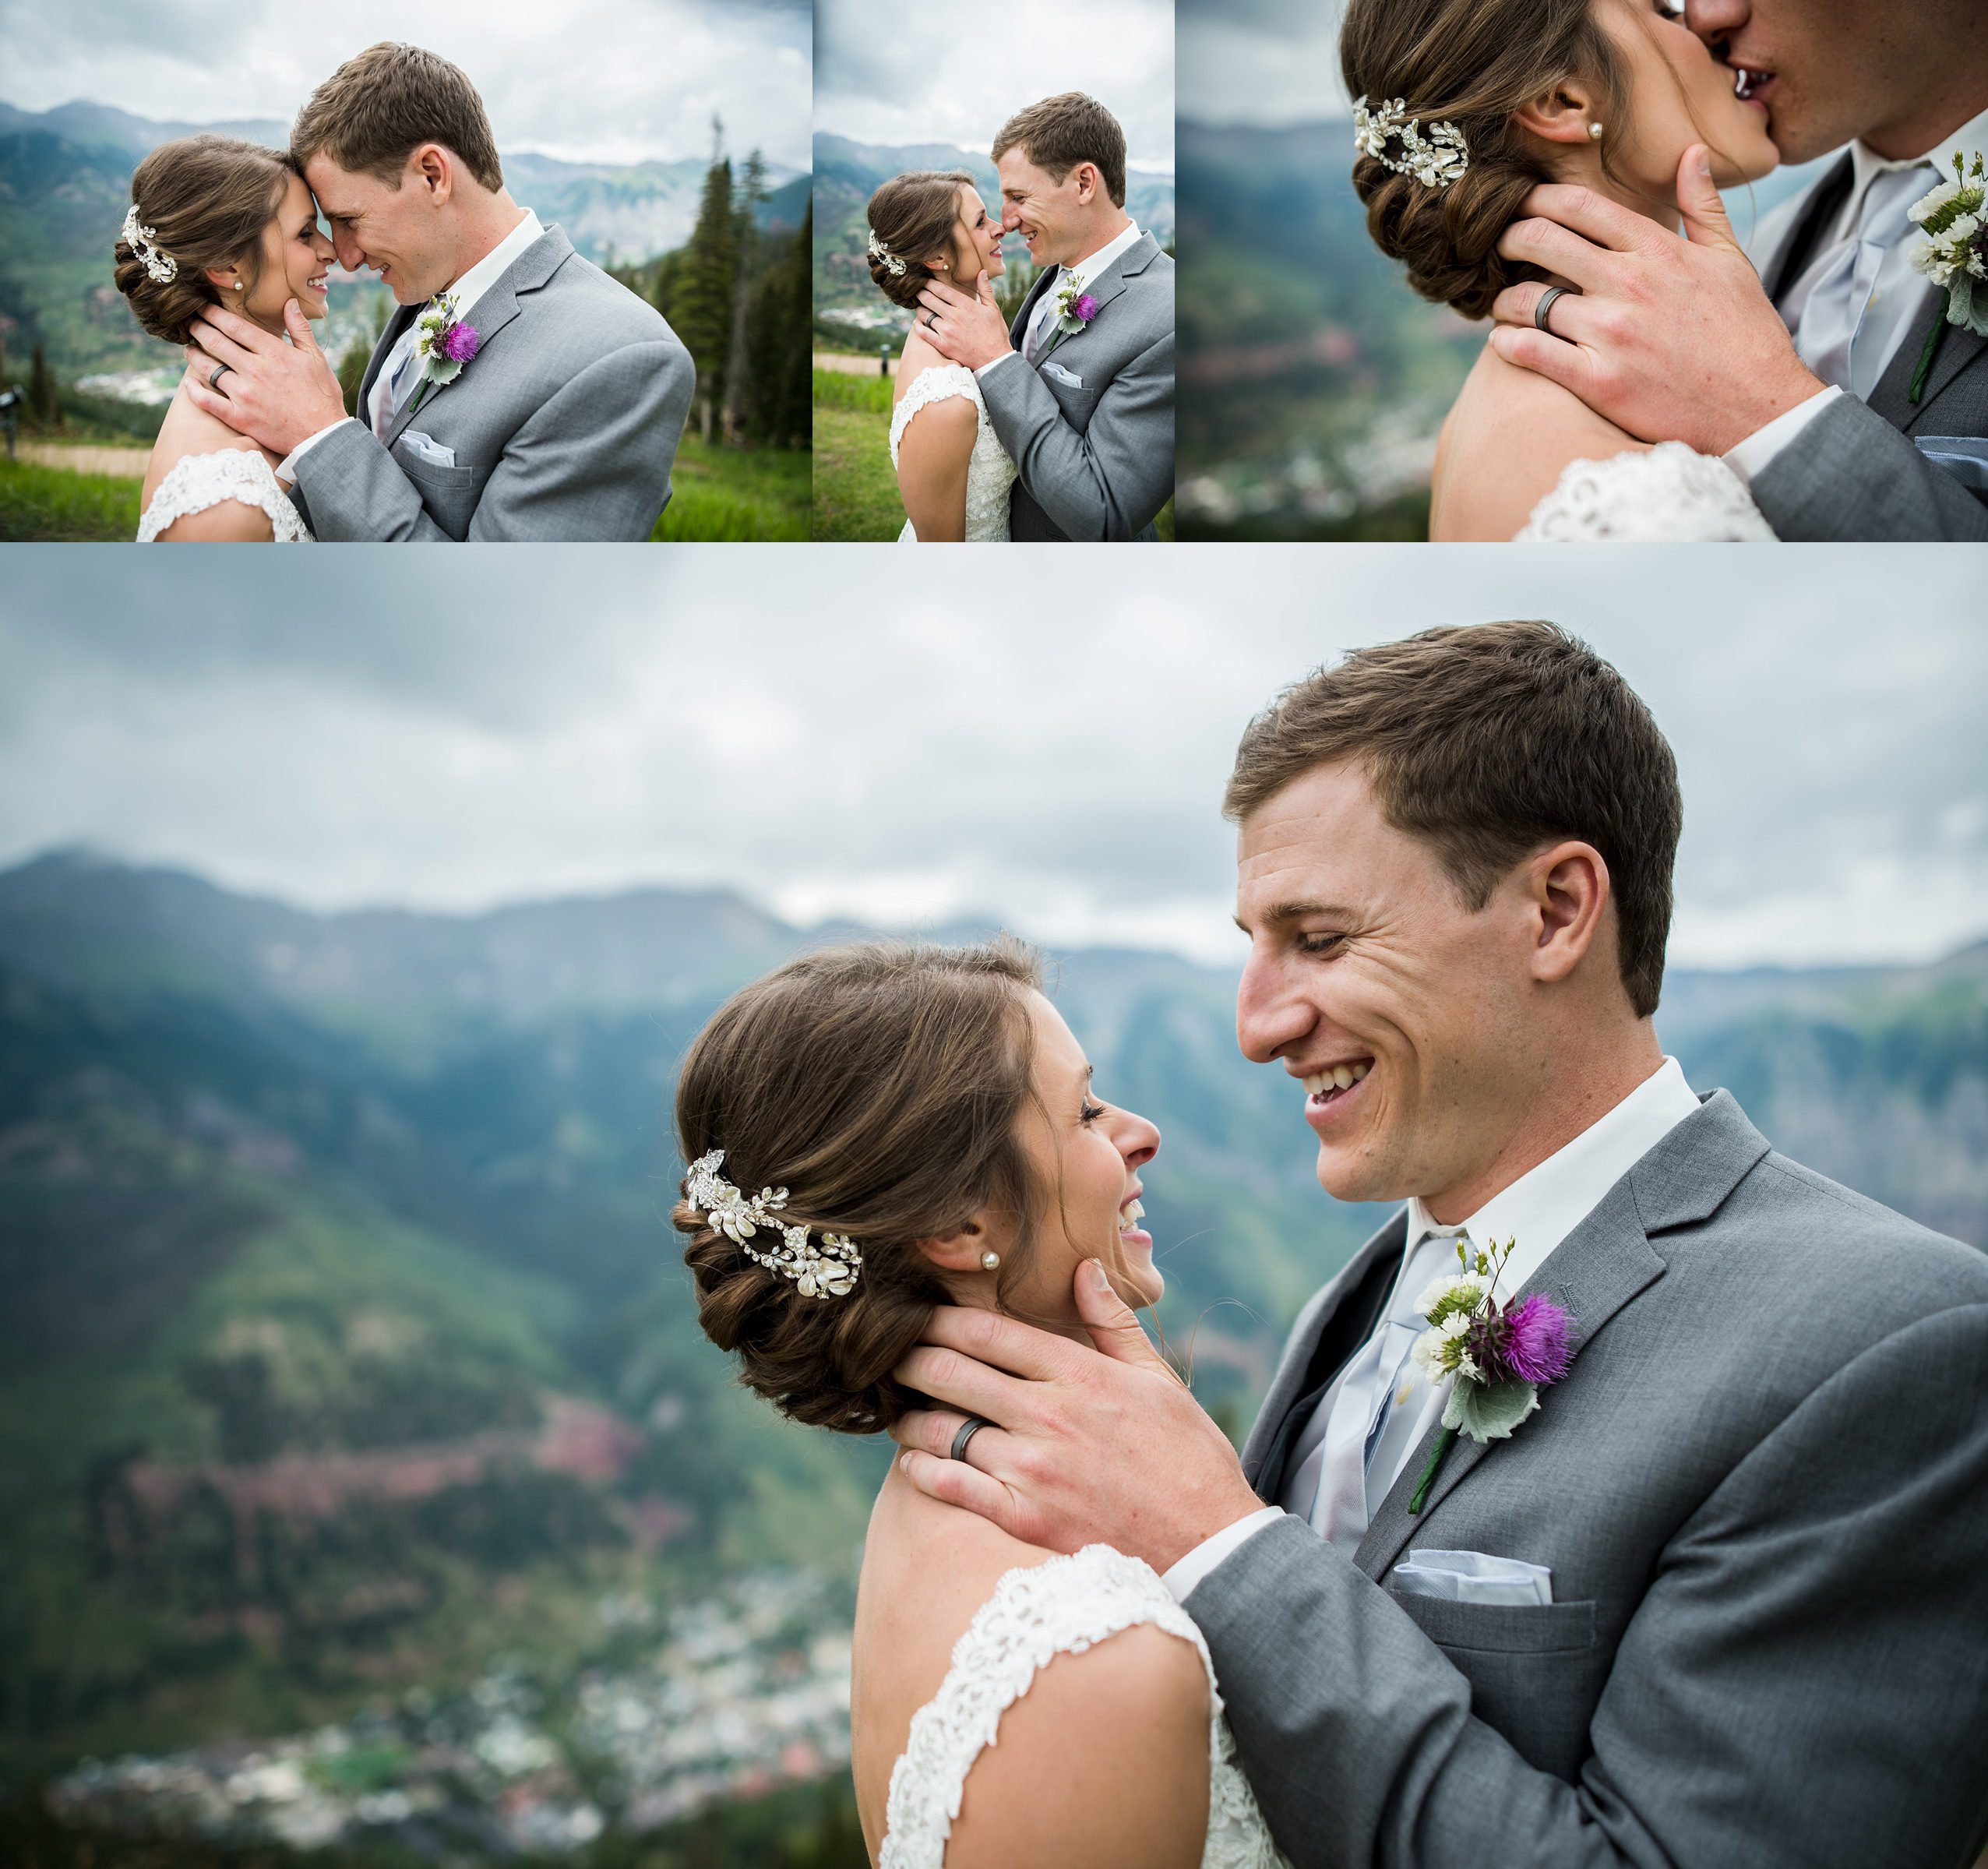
(1834, 316)
(1368, 1396)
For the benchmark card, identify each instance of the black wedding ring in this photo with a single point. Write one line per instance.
(968, 1428)
(1545, 305)
(216, 374)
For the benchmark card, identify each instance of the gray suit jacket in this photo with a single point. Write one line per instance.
(1889, 469)
(1092, 439)
(563, 426)
(1762, 1489)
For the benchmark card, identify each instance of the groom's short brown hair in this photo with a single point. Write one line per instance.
(1489, 743)
(1061, 131)
(372, 113)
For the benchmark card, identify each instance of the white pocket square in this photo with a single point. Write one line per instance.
(428, 448)
(1051, 367)
(1470, 1577)
(1965, 457)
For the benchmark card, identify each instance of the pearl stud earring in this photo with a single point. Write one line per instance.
(1594, 132)
(990, 1261)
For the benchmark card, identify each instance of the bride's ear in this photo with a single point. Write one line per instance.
(964, 1251)
(1565, 115)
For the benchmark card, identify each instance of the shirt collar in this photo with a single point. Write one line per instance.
(1971, 139)
(1085, 270)
(492, 266)
(1547, 1203)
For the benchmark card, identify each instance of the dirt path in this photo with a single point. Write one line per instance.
(124, 463)
(841, 361)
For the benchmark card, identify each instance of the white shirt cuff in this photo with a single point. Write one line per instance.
(997, 363)
(1212, 1552)
(286, 469)
(1750, 457)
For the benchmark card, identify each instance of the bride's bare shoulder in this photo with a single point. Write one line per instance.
(1511, 435)
(1103, 1763)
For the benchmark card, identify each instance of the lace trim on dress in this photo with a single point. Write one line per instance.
(196, 481)
(990, 473)
(1060, 1607)
(1668, 494)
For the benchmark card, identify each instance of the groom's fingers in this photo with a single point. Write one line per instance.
(238, 330)
(1605, 222)
(1006, 1343)
(936, 295)
(1706, 222)
(298, 325)
(1567, 364)
(1114, 1325)
(1571, 318)
(215, 346)
(958, 1484)
(958, 1382)
(1553, 248)
(931, 1431)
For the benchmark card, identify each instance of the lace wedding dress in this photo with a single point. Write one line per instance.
(1061, 1607)
(1672, 494)
(196, 481)
(990, 473)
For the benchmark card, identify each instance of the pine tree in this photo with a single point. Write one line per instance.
(701, 307)
(739, 375)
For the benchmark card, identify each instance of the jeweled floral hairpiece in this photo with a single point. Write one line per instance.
(159, 264)
(1434, 160)
(829, 1270)
(892, 264)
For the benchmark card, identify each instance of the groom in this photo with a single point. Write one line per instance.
(1718, 1602)
(562, 420)
(1080, 389)
(1801, 375)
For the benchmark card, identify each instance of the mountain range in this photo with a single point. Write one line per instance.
(66, 182)
(848, 173)
(344, 1340)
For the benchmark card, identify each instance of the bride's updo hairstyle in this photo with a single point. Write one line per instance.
(206, 200)
(912, 216)
(882, 1086)
(1474, 63)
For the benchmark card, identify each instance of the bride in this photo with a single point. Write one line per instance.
(215, 220)
(872, 1130)
(952, 473)
(1466, 106)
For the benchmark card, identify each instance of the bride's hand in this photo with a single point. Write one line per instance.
(964, 328)
(1672, 340)
(1104, 1446)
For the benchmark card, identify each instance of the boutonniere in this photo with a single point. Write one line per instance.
(443, 345)
(1075, 308)
(1501, 1355)
(1954, 254)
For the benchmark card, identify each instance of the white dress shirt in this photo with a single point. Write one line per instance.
(1081, 274)
(383, 404)
(1323, 1476)
(1895, 292)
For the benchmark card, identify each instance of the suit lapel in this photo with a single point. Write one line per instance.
(1019, 329)
(1958, 348)
(1134, 261)
(1334, 1326)
(1607, 1261)
(1825, 200)
(492, 311)
(403, 315)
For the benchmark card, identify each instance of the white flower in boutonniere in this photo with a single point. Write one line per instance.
(442, 344)
(1500, 1355)
(1075, 308)
(1952, 253)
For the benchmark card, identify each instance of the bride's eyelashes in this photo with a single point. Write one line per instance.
(1089, 1112)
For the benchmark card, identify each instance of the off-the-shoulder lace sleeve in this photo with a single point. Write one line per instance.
(1669, 494)
(1061, 1607)
(937, 384)
(197, 481)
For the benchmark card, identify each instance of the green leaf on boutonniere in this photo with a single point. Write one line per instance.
(1489, 1411)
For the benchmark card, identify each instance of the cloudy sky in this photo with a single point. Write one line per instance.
(893, 74)
(1260, 61)
(452, 731)
(587, 80)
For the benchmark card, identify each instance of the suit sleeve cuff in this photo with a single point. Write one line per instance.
(1211, 1552)
(286, 469)
(1750, 458)
(987, 369)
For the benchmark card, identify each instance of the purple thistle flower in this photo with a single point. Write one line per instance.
(459, 343)
(1536, 1347)
(1084, 309)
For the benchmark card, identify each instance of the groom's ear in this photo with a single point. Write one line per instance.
(432, 168)
(1088, 181)
(1567, 891)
